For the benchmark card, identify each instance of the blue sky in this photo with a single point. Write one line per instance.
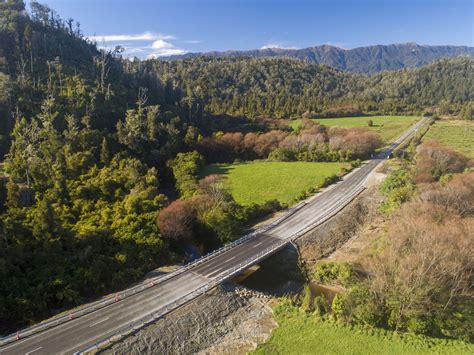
(163, 27)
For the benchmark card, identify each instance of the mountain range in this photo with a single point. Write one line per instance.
(370, 59)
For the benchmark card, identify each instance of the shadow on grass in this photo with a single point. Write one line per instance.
(219, 169)
(223, 168)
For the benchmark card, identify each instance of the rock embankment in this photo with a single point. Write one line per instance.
(227, 320)
(233, 319)
(327, 238)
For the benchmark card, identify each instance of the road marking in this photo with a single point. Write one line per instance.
(32, 351)
(330, 209)
(214, 272)
(99, 321)
(231, 258)
(256, 245)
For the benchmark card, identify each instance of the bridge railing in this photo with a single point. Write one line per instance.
(225, 275)
(91, 307)
(159, 279)
(358, 188)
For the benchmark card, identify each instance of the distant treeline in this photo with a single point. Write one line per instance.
(286, 88)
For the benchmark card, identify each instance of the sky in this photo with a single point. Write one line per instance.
(154, 28)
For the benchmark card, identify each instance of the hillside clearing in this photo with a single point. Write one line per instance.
(389, 127)
(457, 134)
(261, 181)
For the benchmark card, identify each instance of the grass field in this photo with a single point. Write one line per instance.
(457, 134)
(261, 181)
(298, 333)
(389, 127)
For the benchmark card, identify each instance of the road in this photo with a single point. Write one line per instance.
(83, 332)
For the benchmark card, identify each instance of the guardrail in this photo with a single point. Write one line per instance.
(145, 285)
(358, 188)
(225, 275)
(94, 306)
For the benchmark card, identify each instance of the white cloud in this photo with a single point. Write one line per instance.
(161, 48)
(145, 36)
(134, 50)
(276, 46)
(161, 44)
(144, 45)
(193, 41)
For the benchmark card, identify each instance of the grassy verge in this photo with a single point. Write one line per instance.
(301, 333)
(457, 134)
(389, 127)
(261, 181)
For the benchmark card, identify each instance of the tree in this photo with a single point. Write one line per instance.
(44, 220)
(186, 168)
(213, 187)
(467, 111)
(422, 277)
(24, 150)
(13, 194)
(176, 221)
(104, 151)
(358, 141)
(40, 12)
(435, 160)
(140, 129)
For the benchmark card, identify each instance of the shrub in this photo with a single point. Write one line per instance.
(423, 276)
(320, 306)
(397, 188)
(337, 306)
(361, 306)
(437, 160)
(328, 180)
(456, 195)
(255, 211)
(307, 299)
(332, 272)
(280, 154)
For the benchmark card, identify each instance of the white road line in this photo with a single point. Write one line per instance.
(327, 209)
(231, 258)
(214, 272)
(99, 321)
(32, 351)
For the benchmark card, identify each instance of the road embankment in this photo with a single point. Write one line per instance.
(226, 320)
(229, 320)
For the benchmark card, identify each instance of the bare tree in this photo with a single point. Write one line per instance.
(426, 264)
(176, 221)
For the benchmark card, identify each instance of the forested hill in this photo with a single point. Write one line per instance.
(42, 55)
(285, 87)
(370, 59)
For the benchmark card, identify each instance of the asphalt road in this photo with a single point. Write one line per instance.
(80, 333)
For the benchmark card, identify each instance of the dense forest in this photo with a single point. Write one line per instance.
(286, 88)
(101, 154)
